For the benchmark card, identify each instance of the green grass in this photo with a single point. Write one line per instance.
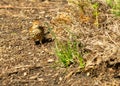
(67, 53)
(64, 53)
(96, 13)
(115, 6)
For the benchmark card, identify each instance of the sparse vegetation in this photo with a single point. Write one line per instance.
(96, 13)
(68, 53)
(115, 6)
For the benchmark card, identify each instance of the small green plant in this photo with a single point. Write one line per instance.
(115, 6)
(64, 52)
(96, 13)
(67, 53)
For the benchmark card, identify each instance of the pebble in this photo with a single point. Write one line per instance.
(50, 60)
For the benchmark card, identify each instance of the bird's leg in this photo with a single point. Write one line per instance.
(40, 42)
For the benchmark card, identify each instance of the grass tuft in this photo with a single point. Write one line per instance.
(115, 5)
(68, 53)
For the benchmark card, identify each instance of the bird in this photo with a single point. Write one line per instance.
(36, 32)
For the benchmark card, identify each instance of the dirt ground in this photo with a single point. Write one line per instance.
(22, 63)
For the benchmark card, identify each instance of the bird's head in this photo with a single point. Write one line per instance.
(36, 24)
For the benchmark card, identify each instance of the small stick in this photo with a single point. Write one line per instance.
(112, 39)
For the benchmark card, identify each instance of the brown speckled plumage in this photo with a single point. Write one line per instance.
(36, 31)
